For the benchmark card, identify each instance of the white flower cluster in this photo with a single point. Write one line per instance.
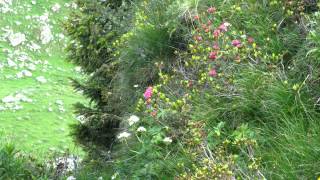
(133, 119)
(167, 140)
(141, 129)
(124, 135)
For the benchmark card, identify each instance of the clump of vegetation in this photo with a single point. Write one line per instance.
(191, 90)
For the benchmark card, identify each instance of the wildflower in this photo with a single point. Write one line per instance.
(213, 73)
(213, 55)
(216, 33)
(236, 43)
(141, 129)
(124, 135)
(148, 93)
(198, 38)
(136, 86)
(133, 119)
(216, 46)
(224, 26)
(196, 17)
(153, 113)
(167, 140)
(211, 10)
(114, 176)
(250, 40)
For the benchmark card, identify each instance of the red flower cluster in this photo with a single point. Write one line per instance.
(236, 43)
(213, 55)
(213, 73)
(211, 10)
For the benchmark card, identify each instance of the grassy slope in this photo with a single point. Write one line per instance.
(34, 128)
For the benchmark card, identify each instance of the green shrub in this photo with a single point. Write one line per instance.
(234, 114)
(92, 32)
(117, 47)
(230, 92)
(15, 165)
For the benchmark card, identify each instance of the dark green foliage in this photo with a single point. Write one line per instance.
(114, 63)
(93, 31)
(14, 166)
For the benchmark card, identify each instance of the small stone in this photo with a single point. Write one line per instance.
(11, 63)
(9, 99)
(46, 34)
(16, 39)
(41, 79)
(59, 102)
(32, 67)
(61, 109)
(26, 73)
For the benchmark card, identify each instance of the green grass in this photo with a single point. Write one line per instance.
(34, 128)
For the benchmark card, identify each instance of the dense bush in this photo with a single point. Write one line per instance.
(117, 47)
(93, 31)
(16, 165)
(193, 91)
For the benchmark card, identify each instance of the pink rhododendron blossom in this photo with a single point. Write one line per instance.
(216, 46)
(213, 73)
(198, 38)
(213, 55)
(250, 40)
(216, 33)
(154, 113)
(211, 10)
(224, 26)
(148, 93)
(236, 43)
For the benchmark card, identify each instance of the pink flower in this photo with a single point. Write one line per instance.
(250, 40)
(198, 38)
(148, 93)
(236, 43)
(216, 46)
(216, 33)
(154, 113)
(213, 73)
(224, 26)
(213, 55)
(211, 10)
(196, 17)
